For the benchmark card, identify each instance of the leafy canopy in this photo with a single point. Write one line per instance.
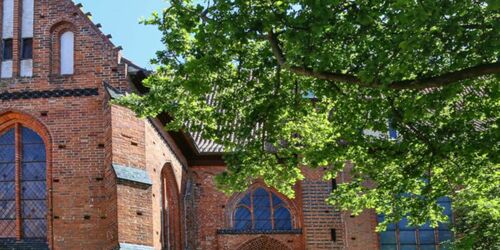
(287, 84)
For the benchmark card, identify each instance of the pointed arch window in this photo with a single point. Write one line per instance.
(67, 60)
(23, 192)
(263, 210)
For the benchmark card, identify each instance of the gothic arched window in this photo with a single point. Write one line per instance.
(23, 192)
(261, 209)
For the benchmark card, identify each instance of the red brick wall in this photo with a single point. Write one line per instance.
(110, 185)
(128, 138)
(137, 143)
(96, 58)
(90, 211)
(77, 173)
(209, 212)
(161, 155)
(360, 230)
(208, 207)
(84, 193)
(233, 242)
(135, 220)
(320, 218)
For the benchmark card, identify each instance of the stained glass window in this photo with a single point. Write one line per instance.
(7, 185)
(32, 196)
(405, 237)
(262, 210)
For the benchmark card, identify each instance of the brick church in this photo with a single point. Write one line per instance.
(77, 172)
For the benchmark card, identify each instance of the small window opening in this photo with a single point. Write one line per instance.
(67, 53)
(27, 49)
(7, 49)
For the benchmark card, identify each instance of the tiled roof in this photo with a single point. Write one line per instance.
(202, 145)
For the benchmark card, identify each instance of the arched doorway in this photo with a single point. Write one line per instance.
(171, 211)
(263, 243)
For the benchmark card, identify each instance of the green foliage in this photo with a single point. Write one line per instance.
(478, 214)
(448, 142)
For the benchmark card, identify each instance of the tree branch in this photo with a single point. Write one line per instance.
(280, 57)
(420, 83)
(203, 15)
(448, 78)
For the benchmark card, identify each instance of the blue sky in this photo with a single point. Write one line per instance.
(120, 18)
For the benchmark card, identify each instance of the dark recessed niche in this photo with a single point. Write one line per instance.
(56, 217)
(353, 238)
(62, 146)
(86, 217)
(139, 213)
(101, 145)
(114, 69)
(326, 211)
(333, 233)
(133, 143)
(104, 217)
(99, 178)
(127, 136)
(352, 216)
(56, 180)
(44, 113)
(334, 184)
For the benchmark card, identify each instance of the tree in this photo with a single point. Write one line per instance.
(286, 84)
